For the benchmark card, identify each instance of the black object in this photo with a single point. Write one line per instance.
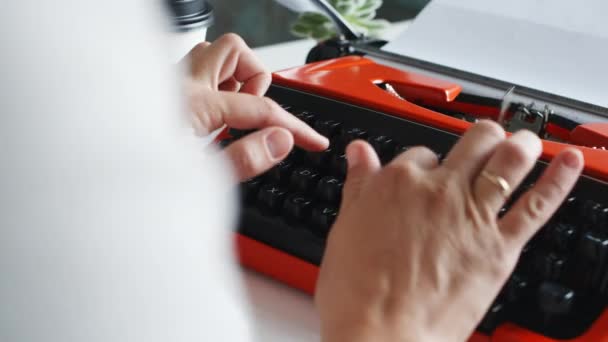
(190, 14)
(298, 200)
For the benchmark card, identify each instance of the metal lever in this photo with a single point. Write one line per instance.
(528, 118)
(344, 28)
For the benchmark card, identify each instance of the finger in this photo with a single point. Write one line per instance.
(362, 162)
(231, 85)
(244, 111)
(474, 148)
(512, 160)
(229, 56)
(423, 156)
(187, 59)
(537, 205)
(259, 151)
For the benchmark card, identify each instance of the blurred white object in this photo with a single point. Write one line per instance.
(299, 5)
(114, 226)
(190, 21)
(183, 41)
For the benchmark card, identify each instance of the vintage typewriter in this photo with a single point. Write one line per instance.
(559, 290)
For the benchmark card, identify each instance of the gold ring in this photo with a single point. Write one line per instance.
(502, 183)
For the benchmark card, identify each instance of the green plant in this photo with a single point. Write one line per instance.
(359, 13)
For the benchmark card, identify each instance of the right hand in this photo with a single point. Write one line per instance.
(418, 252)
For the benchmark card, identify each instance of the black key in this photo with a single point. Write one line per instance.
(281, 172)
(550, 266)
(563, 236)
(597, 216)
(239, 133)
(384, 146)
(328, 128)
(338, 164)
(569, 210)
(516, 288)
(555, 299)
(296, 155)
(271, 197)
(329, 189)
(224, 143)
(400, 148)
(323, 218)
(593, 251)
(594, 247)
(297, 207)
(250, 188)
(494, 317)
(304, 179)
(604, 285)
(590, 211)
(321, 159)
(307, 117)
(353, 133)
(285, 106)
(603, 220)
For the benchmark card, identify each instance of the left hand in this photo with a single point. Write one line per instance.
(225, 87)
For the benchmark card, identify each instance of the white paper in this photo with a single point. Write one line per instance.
(558, 46)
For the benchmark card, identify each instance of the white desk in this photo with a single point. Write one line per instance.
(281, 313)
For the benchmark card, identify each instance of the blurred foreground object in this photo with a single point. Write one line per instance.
(113, 222)
(190, 19)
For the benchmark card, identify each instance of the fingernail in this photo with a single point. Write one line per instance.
(572, 159)
(279, 143)
(325, 141)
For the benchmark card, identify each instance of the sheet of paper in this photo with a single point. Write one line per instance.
(558, 46)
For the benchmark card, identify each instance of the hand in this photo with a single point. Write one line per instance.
(225, 87)
(418, 252)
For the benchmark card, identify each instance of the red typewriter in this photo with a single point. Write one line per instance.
(559, 289)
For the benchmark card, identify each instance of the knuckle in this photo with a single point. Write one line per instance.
(536, 206)
(267, 107)
(495, 254)
(440, 197)
(402, 171)
(199, 47)
(514, 155)
(232, 39)
(441, 190)
(491, 128)
(422, 150)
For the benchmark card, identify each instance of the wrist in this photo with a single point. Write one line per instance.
(366, 332)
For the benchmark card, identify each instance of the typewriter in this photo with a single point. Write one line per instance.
(559, 289)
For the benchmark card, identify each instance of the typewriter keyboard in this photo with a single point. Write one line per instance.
(560, 286)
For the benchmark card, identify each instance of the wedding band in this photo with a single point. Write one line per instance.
(500, 182)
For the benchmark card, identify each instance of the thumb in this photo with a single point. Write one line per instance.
(362, 163)
(257, 152)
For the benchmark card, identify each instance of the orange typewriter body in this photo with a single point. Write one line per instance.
(355, 80)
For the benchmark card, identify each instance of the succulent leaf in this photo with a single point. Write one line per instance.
(359, 13)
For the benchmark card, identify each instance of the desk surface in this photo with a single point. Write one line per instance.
(281, 313)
